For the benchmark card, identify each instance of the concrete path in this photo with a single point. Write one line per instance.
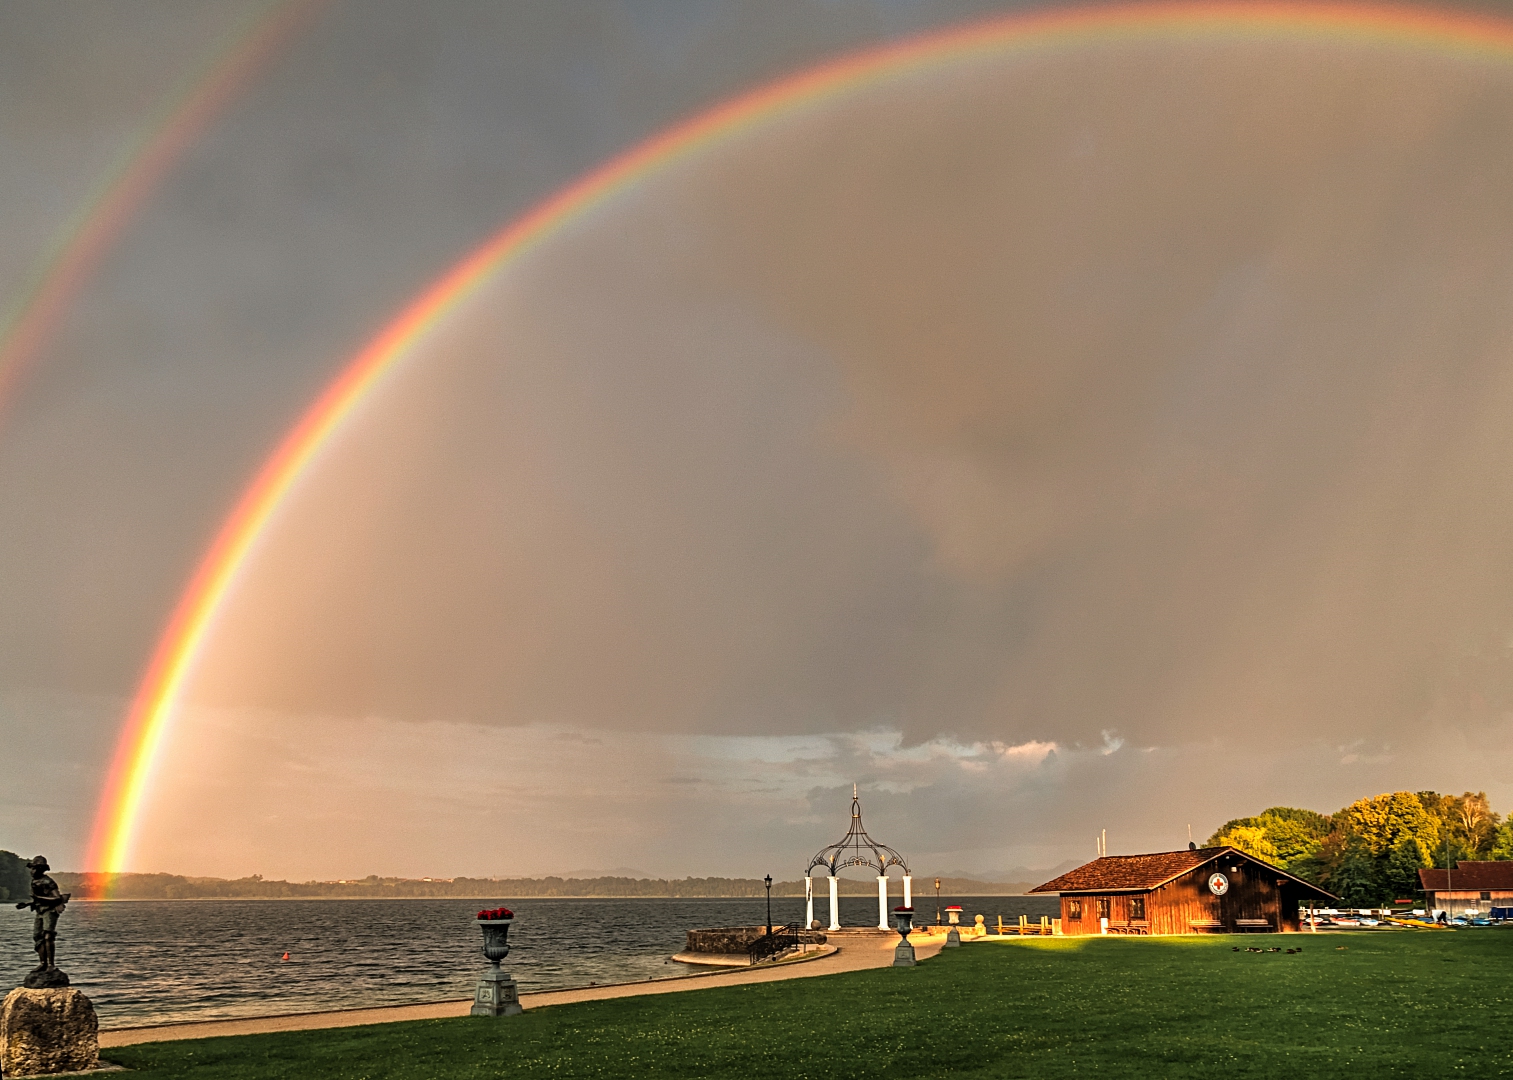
(857, 951)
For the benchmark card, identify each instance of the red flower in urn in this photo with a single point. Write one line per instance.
(495, 924)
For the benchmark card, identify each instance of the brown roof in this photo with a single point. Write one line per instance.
(1140, 873)
(1469, 876)
(1114, 872)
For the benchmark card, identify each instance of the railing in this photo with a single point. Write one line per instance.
(1044, 926)
(771, 946)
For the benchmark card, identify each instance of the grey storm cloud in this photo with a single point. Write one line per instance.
(1155, 388)
(1021, 438)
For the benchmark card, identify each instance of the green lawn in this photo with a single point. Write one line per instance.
(1388, 1004)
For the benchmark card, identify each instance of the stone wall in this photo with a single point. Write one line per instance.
(736, 939)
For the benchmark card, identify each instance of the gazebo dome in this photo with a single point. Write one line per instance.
(856, 848)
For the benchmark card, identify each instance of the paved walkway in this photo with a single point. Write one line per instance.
(857, 951)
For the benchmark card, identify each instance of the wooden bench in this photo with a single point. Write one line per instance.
(1206, 924)
(1253, 923)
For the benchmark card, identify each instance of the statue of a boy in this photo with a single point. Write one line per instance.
(48, 903)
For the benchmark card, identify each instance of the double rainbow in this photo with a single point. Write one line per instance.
(150, 719)
(124, 188)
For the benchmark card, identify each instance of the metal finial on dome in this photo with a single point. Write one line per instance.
(856, 848)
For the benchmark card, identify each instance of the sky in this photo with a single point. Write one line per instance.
(1101, 437)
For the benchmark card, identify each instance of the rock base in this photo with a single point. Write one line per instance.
(48, 1031)
(45, 978)
(497, 995)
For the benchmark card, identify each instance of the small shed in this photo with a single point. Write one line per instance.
(1218, 890)
(1471, 886)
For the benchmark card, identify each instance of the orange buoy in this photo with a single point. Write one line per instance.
(286, 956)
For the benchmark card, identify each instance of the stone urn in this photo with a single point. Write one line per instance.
(497, 993)
(496, 935)
(903, 952)
(953, 920)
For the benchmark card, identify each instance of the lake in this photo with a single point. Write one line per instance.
(164, 961)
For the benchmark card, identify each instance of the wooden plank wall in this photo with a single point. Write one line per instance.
(1255, 892)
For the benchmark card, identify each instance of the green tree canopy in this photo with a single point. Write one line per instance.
(15, 880)
(1283, 835)
(1251, 839)
(1502, 843)
(1370, 852)
(1384, 821)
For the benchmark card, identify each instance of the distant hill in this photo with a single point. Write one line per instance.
(1017, 875)
(177, 887)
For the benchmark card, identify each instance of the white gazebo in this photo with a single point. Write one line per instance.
(856, 848)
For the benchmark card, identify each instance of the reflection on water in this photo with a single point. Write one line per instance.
(158, 961)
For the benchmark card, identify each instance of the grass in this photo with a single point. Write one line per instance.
(1385, 1005)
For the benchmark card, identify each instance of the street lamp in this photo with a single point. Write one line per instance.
(937, 901)
(768, 880)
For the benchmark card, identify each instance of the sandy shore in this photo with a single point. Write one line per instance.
(857, 951)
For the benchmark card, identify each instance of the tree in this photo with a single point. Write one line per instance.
(1384, 820)
(1356, 877)
(1285, 836)
(1250, 839)
(15, 879)
(1400, 871)
(1502, 843)
(1471, 825)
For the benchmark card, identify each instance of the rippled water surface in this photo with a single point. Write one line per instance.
(159, 961)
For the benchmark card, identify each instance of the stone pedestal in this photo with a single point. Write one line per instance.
(45, 978)
(903, 954)
(497, 994)
(953, 938)
(48, 1031)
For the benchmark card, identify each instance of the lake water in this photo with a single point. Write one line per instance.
(162, 961)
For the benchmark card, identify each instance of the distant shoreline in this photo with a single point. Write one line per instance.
(137, 886)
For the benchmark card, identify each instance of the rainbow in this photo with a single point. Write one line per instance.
(187, 110)
(152, 711)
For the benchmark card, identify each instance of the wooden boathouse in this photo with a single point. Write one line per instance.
(1217, 890)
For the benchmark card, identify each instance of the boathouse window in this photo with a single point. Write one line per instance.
(1486, 896)
(1103, 907)
(1137, 908)
(1074, 909)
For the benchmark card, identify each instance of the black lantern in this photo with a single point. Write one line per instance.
(768, 880)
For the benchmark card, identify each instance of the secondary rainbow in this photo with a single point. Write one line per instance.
(37, 308)
(150, 718)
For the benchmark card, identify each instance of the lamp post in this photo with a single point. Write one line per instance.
(937, 901)
(768, 880)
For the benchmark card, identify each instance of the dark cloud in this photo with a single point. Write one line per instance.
(369, 154)
(1150, 389)
(1142, 396)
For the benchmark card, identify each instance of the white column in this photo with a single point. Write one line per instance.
(835, 903)
(882, 902)
(908, 891)
(808, 901)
